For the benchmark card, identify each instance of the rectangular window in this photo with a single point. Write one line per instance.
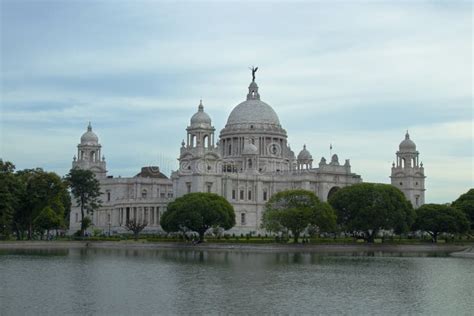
(233, 194)
(264, 195)
(242, 219)
(108, 196)
(250, 195)
(162, 195)
(170, 194)
(241, 194)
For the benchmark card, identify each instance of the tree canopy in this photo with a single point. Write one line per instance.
(10, 188)
(295, 210)
(437, 218)
(86, 190)
(465, 203)
(48, 219)
(198, 212)
(370, 207)
(40, 189)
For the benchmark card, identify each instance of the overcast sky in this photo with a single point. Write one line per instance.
(354, 74)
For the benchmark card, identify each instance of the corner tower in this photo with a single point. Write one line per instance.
(89, 154)
(408, 173)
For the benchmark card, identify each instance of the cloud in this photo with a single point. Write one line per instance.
(352, 74)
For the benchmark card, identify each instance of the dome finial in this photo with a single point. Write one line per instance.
(200, 107)
(407, 136)
(89, 127)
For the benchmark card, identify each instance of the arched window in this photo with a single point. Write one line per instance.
(108, 196)
(403, 162)
(206, 141)
(242, 219)
(193, 141)
(144, 194)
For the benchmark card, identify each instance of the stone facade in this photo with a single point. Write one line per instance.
(250, 162)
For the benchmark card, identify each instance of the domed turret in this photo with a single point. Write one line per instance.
(407, 145)
(408, 173)
(201, 118)
(304, 159)
(200, 130)
(304, 154)
(89, 137)
(89, 154)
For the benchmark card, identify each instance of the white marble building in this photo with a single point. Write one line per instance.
(251, 161)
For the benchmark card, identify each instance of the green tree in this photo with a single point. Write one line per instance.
(40, 189)
(10, 193)
(86, 191)
(47, 219)
(294, 210)
(465, 203)
(198, 212)
(437, 218)
(371, 207)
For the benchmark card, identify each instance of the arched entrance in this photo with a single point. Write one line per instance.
(332, 191)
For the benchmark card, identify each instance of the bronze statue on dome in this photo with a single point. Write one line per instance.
(254, 70)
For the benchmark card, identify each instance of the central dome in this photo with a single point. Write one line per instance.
(253, 111)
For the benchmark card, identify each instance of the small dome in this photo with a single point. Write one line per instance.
(305, 154)
(249, 149)
(407, 144)
(200, 118)
(89, 137)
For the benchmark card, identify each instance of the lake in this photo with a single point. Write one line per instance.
(147, 281)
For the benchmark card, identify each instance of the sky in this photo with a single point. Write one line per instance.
(353, 74)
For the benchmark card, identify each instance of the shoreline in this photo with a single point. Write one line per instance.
(466, 251)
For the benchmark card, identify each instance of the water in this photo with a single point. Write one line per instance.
(126, 282)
